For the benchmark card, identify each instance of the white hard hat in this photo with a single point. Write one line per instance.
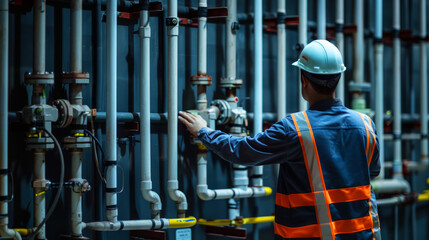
(320, 57)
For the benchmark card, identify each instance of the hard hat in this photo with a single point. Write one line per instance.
(320, 57)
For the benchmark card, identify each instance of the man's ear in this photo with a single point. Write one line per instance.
(304, 80)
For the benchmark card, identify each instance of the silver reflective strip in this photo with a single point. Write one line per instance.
(370, 131)
(316, 179)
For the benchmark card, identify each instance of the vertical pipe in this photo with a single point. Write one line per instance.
(257, 127)
(39, 32)
(379, 102)
(339, 36)
(423, 88)
(75, 95)
(321, 19)
(76, 197)
(145, 154)
(173, 183)
(111, 121)
(4, 52)
(39, 196)
(358, 101)
(202, 55)
(397, 128)
(231, 52)
(302, 40)
(281, 66)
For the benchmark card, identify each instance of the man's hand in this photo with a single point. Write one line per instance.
(192, 121)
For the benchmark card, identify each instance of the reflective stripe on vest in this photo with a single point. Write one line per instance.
(320, 197)
(370, 137)
(315, 175)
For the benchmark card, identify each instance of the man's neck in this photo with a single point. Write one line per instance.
(318, 98)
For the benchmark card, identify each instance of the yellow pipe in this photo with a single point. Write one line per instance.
(182, 222)
(424, 196)
(24, 231)
(236, 222)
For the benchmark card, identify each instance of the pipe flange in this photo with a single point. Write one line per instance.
(77, 142)
(231, 82)
(224, 111)
(65, 113)
(75, 78)
(201, 80)
(33, 143)
(39, 78)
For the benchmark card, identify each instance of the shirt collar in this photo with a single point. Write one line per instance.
(325, 104)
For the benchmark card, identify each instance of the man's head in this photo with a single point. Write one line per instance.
(321, 65)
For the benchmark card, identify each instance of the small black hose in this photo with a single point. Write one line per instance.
(60, 188)
(95, 153)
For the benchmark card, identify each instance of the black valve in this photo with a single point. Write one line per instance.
(171, 22)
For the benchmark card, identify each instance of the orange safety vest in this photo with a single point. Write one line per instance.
(320, 197)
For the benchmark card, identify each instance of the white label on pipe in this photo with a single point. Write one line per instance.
(184, 234)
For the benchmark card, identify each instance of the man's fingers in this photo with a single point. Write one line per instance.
(184, 121)
(186, 116)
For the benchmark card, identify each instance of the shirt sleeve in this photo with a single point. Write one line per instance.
(267, 147)
(374, 167)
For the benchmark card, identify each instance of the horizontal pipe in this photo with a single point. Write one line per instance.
(390, 186)
(214, 194)
(150, 224)
(391, 201)
(236, 222)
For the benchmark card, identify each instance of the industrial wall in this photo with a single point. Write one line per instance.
(404, 221)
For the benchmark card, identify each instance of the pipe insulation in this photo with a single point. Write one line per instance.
(145, 144)
(423, 89)
(5, 231)
(321, 19)
(339, 36)
(379, 78)
(173, 184)
(111, 109)
(302, 41)
(397, 111)
(257, 171)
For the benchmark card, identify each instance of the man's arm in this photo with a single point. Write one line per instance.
(265, 148)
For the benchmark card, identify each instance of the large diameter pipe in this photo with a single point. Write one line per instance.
(302, 40)
(321, 19)
(423, 88)
(257, 107)
(173, 184)
(4, 46)
(397, 125)
(358, 101)
(339, 36)
(111, 122)
(145, 153)
(379, 102)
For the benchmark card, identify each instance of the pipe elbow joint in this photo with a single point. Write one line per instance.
(151, 196)
(9, 233)
(204, 193)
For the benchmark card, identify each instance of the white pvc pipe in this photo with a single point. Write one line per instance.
(111, 121)
(202, 41)
(39, 33)
(397, 111)
(391, 186)
(339, 36)
(76, 197)
(302, 39)
(129, 225)
(281, 68)
(173, 184)
(4, 52)
(76, 36)
(379, 100)
(358, 100)
(258, 86)
(423, 89)
(145, 153)
(39, 207)
(230, 42)
(321, 19)
(205, 193)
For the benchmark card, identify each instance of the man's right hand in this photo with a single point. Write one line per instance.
(192, 121)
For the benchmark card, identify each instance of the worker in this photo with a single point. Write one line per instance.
(327, 156)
